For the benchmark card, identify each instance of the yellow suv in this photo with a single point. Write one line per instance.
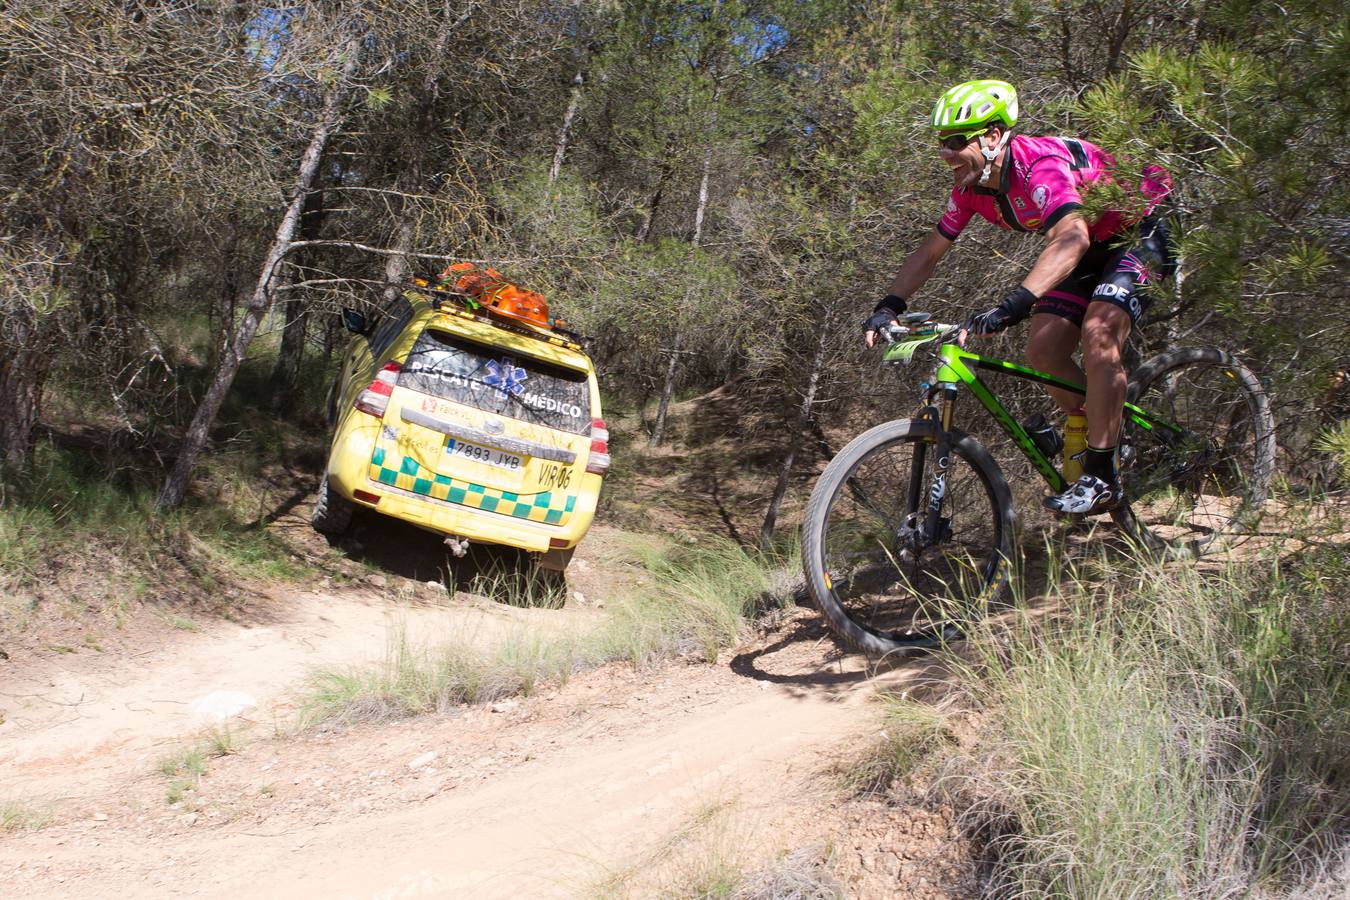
(466, 412)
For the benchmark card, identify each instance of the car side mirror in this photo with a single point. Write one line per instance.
(354, 322)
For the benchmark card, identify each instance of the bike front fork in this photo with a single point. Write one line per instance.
(924, 525)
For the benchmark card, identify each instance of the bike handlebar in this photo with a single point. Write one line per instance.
(893, 333)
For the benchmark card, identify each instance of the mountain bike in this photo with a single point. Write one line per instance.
(909, 532)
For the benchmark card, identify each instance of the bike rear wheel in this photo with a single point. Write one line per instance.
(1190, 487)
(884, 585)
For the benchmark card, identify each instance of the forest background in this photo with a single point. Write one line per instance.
(715, 191)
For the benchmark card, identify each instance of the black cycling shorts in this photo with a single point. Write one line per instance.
(1119, 274)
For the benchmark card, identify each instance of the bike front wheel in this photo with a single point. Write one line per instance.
(885, 580)
(1200, 472)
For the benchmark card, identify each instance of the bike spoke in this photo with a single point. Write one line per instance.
(1187, 488)
(892, 577)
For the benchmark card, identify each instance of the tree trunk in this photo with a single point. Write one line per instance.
(23, 372)
(1120, 32)
(176, 485)
(1066, 49)
(286, 373)
(564, 133)
(645, 230)
(397, 265)
(667, 389)
(667, 169)
(229, 293)
(668, 386)
(785, 473)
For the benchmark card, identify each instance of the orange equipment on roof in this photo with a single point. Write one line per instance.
(491, 290)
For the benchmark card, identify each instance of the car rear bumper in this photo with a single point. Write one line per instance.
(349, 473)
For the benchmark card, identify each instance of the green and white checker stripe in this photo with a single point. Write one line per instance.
(548, 507)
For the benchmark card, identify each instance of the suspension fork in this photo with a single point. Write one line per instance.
(924, 501)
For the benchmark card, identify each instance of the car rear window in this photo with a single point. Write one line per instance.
(497, 381)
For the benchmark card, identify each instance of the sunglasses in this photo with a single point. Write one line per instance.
(957, 142)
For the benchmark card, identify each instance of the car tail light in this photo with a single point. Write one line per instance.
(598, 464)
(374, 400)
(366, 496)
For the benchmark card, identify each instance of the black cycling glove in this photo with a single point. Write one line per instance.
(886, 312)
(1014, 308)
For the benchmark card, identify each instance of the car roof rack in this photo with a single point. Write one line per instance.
(446, 299)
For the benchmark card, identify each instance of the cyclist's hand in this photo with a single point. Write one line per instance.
(886, 314)
(1014, 308)
(877, 322)
(989, 322)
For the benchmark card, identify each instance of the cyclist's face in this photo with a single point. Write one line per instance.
(962, 157)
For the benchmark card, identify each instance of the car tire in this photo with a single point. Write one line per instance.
(332, 512)
(330, 405)
(555, 560)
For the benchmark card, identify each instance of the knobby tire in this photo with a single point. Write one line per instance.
(1191, 493)
(875, 599)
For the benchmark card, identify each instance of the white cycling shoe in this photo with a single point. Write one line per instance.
(1087, 496)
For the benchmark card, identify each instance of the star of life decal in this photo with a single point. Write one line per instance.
(506, 377)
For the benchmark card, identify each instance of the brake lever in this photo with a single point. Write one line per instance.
(893, 333)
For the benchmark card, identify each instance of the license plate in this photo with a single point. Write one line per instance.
(486, 455)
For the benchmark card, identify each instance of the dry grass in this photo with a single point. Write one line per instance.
(911, 734)
(77, 525)
(1177, 731)
(22, 815)
(414, 679)
(183, 770)
(698, 605)
(712, 854)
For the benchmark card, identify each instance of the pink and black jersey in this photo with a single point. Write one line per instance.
(1040, 185)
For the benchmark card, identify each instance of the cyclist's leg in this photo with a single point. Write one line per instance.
(1057, 322)
(1105, 331)
(1098, 489)
(1118, 302)
(1050, 348)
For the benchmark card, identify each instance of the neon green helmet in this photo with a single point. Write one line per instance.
(970, 108)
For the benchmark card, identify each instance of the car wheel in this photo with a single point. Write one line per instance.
(330, 406)
(332, 512)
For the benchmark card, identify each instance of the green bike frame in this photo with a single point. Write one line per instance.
(958, 367)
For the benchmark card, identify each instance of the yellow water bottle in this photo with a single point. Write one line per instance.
(1075, 442)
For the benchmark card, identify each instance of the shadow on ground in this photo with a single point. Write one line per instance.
(501, 574)
(804, 656)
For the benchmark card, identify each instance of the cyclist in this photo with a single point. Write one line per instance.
(1088, 285)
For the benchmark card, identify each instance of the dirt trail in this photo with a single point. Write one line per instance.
(545, 796)
(542, 797)
(74, 720)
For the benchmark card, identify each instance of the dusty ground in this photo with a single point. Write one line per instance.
(617, 783)
(599, 787)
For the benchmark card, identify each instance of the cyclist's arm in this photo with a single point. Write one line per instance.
(1066, 242)
(919, 265)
